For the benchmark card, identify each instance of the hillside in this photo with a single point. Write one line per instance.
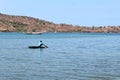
(29, 24)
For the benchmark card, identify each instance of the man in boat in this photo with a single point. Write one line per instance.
(41, 44)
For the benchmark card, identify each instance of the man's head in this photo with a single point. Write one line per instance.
(40, 41)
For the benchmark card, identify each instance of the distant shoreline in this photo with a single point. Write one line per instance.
(53, 32)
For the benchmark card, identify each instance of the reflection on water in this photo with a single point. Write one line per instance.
(80, 57)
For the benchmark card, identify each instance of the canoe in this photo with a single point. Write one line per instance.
(35, 47)
(34, 33)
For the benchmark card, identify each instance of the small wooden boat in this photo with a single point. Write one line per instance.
(35, 47)
(34, 33)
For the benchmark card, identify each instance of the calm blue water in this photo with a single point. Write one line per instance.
(70, 56)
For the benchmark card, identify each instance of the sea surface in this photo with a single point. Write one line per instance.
(70, 56)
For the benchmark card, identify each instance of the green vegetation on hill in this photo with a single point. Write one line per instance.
(29, 24)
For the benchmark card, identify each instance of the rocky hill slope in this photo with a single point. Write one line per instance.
(29, 24)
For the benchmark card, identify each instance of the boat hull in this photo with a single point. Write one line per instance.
(35, 47)
(34, 33)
